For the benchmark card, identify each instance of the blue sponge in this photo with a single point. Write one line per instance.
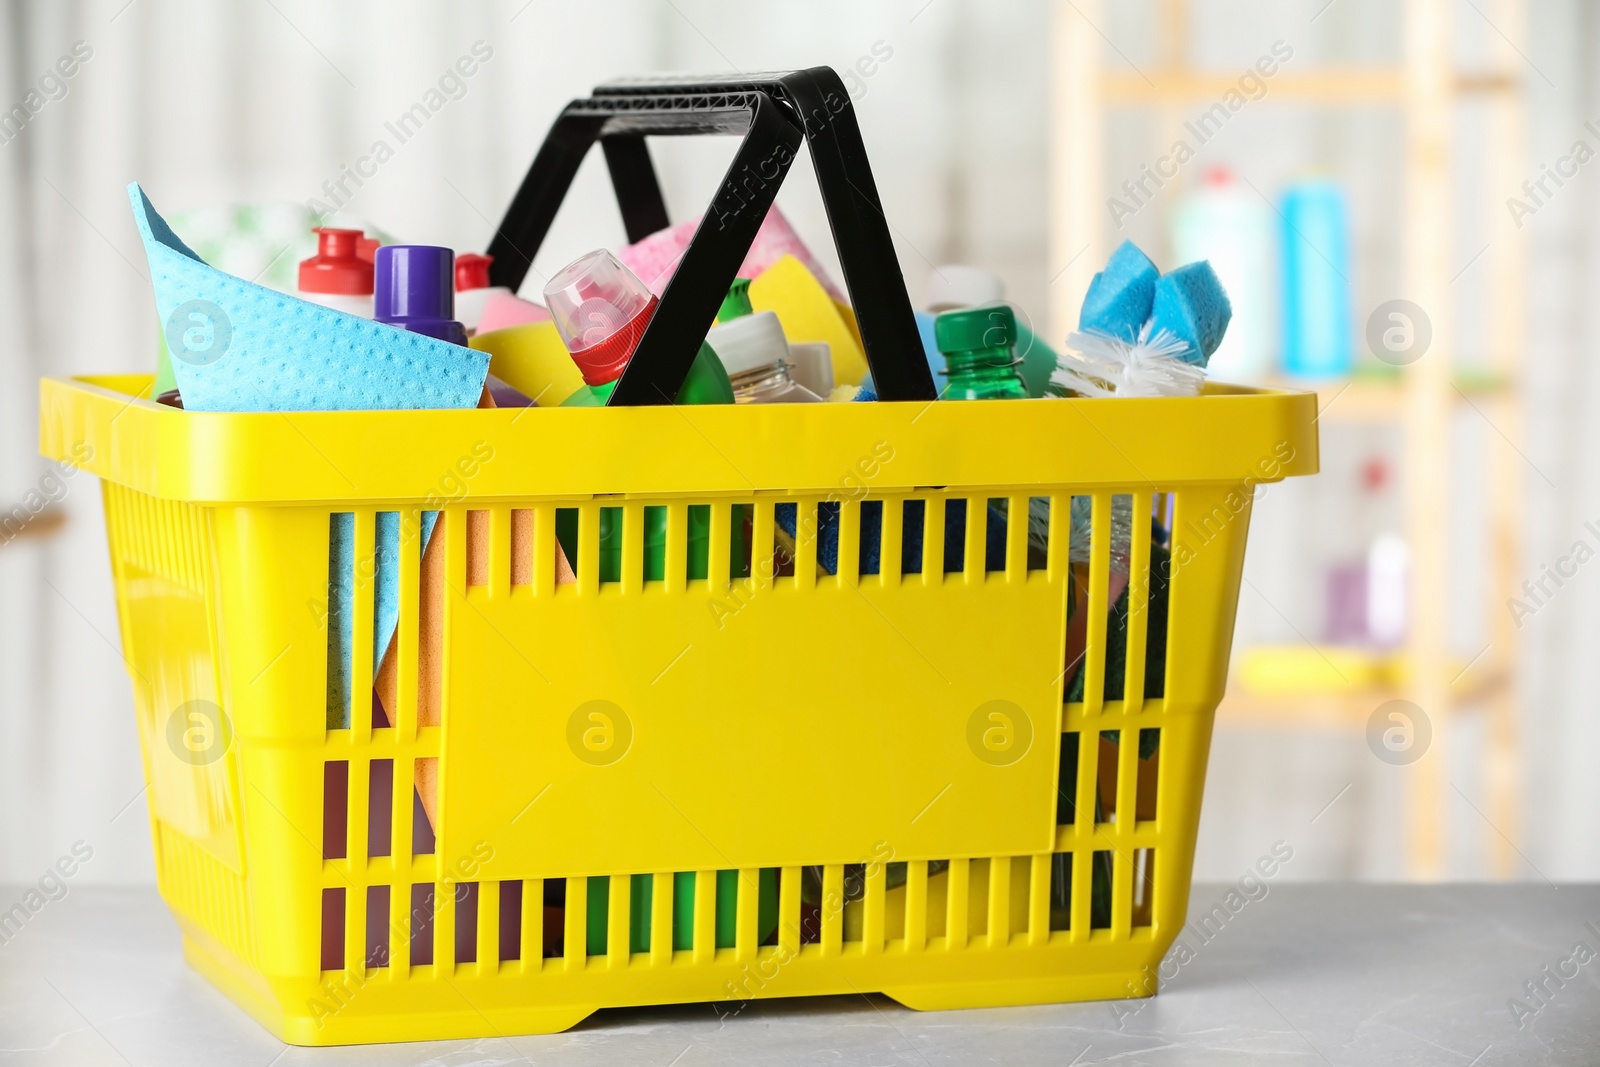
(1119, 297)
(1191, 306)
(237, 346)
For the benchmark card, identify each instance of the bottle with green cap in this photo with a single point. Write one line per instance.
(978, 345)
(737, 303)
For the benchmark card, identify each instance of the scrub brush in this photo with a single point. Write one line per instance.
(1100, 365)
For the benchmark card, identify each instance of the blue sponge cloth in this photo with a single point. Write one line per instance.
(237, 346)
(1119, 297)
(1191, 306)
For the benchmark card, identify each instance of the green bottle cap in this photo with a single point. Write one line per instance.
(975, 329)
(737, 302)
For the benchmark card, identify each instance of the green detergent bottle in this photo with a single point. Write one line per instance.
(707, 383)
(601, 309)
(978, 345)
(641, 888)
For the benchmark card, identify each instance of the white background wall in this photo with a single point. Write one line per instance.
(211, 103)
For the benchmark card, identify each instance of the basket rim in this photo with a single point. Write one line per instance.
(105, 425)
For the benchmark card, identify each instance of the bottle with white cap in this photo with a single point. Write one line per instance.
(755, 354)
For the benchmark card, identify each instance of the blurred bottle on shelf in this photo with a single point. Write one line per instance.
(1317, 336)
(1226, 222)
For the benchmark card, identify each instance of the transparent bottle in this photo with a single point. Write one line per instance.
(755, 354)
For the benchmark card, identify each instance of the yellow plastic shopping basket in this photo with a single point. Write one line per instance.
(763, 782)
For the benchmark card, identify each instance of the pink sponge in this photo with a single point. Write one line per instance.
(655, 258)
(502, 310)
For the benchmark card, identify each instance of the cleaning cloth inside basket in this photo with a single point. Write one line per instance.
(238, 346)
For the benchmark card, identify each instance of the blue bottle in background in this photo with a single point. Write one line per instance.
(1317, 333)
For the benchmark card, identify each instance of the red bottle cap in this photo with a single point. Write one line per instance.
(368, 248)
(472, 271)
(605, 360)
(337, 267)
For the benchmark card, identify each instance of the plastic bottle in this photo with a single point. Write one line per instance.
(737, 303)
(337, 277)
(1317, 335)
(980, 357)
(756, 356)
(415, 290)
(960, 285)
(950, 287)
(601, 310)
(473, 290)
(1225, 222)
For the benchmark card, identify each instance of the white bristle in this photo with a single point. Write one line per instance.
(1100, 365)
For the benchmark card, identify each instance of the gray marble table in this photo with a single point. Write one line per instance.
(1310, 974)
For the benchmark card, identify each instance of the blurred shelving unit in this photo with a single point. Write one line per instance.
(1422, 398)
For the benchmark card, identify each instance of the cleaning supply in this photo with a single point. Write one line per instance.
(808, 313)
(414, 289)
(1098, 365)
(1227, 224)
(1119, 298)
(655, 258)
(977, 344)
(600, 310)
(753, 351)
(337, 277)
(532, 358)
(473, 291)
(737, 303)
(960, 285)
(1317, 336)
(1116, 352)
(811, 364)
(1190, 305)
(953, 286)
(642, 888)
(930, 348)
(501, 311)
(238, 346)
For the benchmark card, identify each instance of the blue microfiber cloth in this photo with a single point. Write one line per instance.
(1191, 306)
(341, 600)
(243, 347)
(866, 392)
(237, 346)
(1119, 298)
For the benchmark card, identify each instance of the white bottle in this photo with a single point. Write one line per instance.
(337, 277)
(1227, 223)
(958, 285)
(473, 290)
(756, 356)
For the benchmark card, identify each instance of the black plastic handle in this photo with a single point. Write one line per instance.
(775, 112)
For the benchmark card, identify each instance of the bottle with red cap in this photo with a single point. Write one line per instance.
(338, 276)
(473, 290)
(601, 310)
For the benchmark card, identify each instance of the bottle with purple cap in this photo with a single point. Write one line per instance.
(414, 288)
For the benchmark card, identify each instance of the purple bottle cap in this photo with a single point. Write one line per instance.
(414, 288)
